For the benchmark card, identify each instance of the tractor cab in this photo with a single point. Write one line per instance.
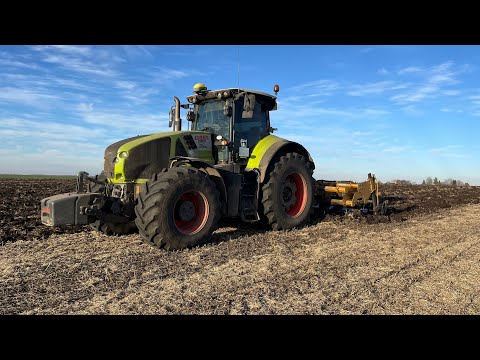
(238, 118)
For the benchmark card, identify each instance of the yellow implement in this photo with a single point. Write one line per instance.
(349, 193)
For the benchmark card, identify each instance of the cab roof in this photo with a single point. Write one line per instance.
(229, 92)
(250, 91)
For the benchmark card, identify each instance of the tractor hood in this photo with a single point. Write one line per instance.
(111, 153)
(137, 158)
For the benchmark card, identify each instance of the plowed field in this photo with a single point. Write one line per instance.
(424, 258)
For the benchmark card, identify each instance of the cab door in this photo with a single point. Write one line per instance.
(251, 124)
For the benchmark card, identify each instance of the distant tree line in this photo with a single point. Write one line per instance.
(446, 182)
(430, 181)
(402, 182)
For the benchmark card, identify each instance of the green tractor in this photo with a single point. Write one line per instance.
(173, 187)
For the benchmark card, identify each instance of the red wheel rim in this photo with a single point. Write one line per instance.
(191, 212)
(300, 195)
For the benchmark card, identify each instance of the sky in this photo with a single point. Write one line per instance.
(400, 112)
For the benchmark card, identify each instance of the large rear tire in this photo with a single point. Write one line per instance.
(178, 209)
(108, 228)
(287, 193)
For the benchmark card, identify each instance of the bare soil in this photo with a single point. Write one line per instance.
(20, 208)
(424, 258)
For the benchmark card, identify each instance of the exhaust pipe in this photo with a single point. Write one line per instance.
(177, 123)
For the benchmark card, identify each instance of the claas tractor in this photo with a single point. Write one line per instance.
(173, 187)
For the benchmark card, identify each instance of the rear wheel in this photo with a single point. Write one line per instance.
(287, 194)
(178, 209)
(108, 228)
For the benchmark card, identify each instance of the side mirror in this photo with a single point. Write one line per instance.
(248, 106)
(190, 115)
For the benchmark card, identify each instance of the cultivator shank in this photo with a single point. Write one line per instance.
(350, 194)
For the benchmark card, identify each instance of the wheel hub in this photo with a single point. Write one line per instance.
(288, 190)
(186, 211)
(190, 212)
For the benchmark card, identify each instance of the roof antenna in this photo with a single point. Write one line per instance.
(238, 70)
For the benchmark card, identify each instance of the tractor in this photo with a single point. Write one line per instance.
(174, 187)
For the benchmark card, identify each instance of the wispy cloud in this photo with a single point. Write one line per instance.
(362, 133)
(450, 110)
(451, 92)
(26, 97)
(184, 50)
(34, 82)
(474, 99)
(163, 74)
(82, 59)
(319, 87)
(140, 96)
(383, 71)
(436, 78)
(416, 95)
(126, 122)
(125, 85)
(80, 65)
(136, 51)
(17, 64)
(289, 115)
(375, 88)
(135, 93)
(373, 112)
(449, 151)
(366, 50)
(475, 102)
(74, 50)
(395, 149)
(48, 130)
(82, 50)
(409, 70)
(91, 147)
(84, 107)
(49, 161)
(412, 110)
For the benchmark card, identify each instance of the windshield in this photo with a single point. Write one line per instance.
(210, 117)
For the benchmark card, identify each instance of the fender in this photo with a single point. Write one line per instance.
(209, 169)
(268, 147)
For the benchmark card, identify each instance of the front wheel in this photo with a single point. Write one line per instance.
(287, 194)
(178, 209)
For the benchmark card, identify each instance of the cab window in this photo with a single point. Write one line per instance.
(250, 129)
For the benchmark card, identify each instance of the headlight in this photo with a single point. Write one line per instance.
(123, 155)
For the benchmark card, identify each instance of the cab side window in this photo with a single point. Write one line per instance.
(251, 129)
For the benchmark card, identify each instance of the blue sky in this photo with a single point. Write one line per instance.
(400, 111)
